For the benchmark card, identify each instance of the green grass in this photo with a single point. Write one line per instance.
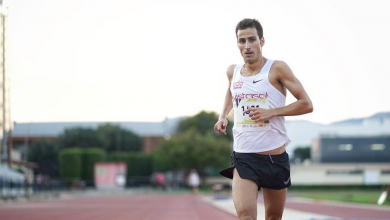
(346, 194)
(366, 197)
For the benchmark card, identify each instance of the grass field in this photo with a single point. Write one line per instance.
(367, 197)
(342, 194)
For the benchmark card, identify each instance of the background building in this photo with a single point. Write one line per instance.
(349, 152)
(359, 149)
(346, 160)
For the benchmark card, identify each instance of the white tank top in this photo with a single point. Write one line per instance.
(256, 91)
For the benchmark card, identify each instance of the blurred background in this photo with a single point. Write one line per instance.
(100, 95)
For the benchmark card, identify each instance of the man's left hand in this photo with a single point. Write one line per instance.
(259, 114)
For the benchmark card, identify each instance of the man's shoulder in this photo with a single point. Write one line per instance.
(280, 67)
(231, 67)
(230, 70)
(279, 64)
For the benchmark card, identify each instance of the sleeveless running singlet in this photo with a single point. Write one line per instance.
(256, 91)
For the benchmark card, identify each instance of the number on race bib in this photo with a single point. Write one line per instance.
(242, 121)
(247, 107)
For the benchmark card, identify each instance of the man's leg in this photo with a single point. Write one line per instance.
(245, 194)
(274, 201)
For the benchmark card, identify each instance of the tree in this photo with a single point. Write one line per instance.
(71, 161)
(193, 150)
(119, 139)
(203, 123)
(81, 137)
(302, 153)
(45, 153)
(108, 137)
(42, 151)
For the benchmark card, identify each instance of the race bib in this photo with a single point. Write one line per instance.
(242, 120)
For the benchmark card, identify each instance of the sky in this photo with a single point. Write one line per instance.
(145, 60)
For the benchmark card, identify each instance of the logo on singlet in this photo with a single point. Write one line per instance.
(256, 81)
(238, 85)
(251, 95)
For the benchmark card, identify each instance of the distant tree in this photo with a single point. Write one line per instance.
(119, 139)
(108, 137)
(302, 152)
(71, 162)
(203, 123)
(45, 154)
(192, 150)
(81, 137)
(42, 151)
(77, 164)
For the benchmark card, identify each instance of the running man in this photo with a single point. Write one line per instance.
(257, 93)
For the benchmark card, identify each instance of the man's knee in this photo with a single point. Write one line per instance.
(274, 217)
(246, 214)
(246, 218)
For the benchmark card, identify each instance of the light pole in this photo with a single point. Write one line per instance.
(6, 150)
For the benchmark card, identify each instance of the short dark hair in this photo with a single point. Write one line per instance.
(250, 23)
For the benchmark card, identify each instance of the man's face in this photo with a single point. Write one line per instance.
(249, 44)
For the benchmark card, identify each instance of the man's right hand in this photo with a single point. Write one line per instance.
(220, 126)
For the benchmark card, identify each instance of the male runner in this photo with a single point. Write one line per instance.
(257, 92)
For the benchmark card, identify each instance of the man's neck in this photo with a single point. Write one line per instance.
(256, 65)
(251, 69)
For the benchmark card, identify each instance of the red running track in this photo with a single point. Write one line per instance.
(133, 207)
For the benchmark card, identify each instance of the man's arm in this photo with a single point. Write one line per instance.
(303, 104)
(286, 77)
(220, 126)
